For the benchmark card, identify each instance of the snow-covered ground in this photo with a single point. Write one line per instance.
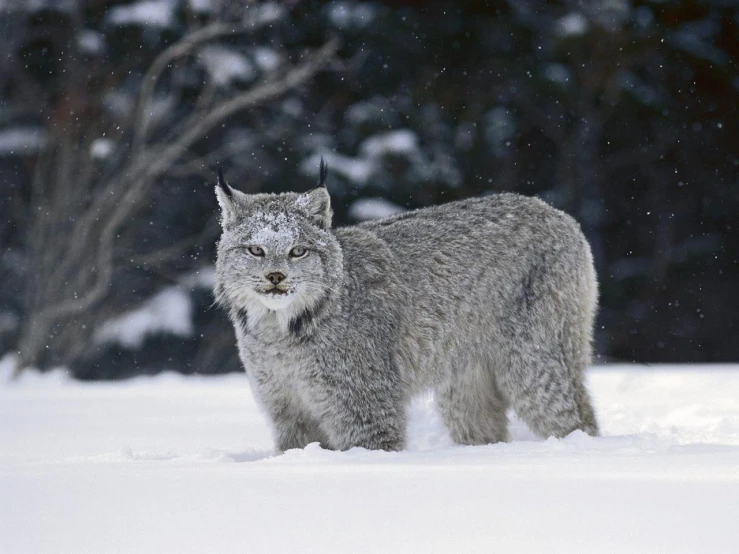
(176, 464)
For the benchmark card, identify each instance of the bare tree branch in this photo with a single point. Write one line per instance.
(180, 49)
(145, 168)
(176, 250)
(177, 50)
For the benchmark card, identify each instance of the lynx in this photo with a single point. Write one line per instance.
(488, 301)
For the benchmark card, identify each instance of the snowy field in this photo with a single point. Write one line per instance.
(178, 464)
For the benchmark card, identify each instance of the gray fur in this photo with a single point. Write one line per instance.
(488, 301)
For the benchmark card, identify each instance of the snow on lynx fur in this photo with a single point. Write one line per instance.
(488, 301)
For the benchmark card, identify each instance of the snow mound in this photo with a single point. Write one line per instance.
(401, 141)
(101, 148)
(356, 170)
(366, 209)
(225, 65)
(351, 15)
(359, 170)
(25, 140)
(572, 25)
(168, 312)
(152, 13)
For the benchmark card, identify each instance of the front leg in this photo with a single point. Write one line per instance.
(364, 407)
(293, 426)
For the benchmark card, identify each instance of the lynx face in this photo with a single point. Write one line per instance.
(275, 253)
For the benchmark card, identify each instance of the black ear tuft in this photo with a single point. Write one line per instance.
(322, 173)
(222, 183)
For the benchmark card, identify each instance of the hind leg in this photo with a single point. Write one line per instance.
(549, 347)
(473, 410)
(549, 396)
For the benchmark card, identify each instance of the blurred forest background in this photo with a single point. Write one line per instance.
(113, 115)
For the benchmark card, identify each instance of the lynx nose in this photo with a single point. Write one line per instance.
(276, 277)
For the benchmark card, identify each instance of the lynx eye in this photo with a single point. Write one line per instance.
(298, 251)
(257, 251)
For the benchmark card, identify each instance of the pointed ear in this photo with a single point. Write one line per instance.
(317, 206)
(228, 199)
(317, 202)
(322, 173)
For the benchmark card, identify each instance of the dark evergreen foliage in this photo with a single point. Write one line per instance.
(622, 113)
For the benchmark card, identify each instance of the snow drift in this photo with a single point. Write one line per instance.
(185, 464)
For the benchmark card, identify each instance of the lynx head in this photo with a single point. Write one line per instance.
(276, 252)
